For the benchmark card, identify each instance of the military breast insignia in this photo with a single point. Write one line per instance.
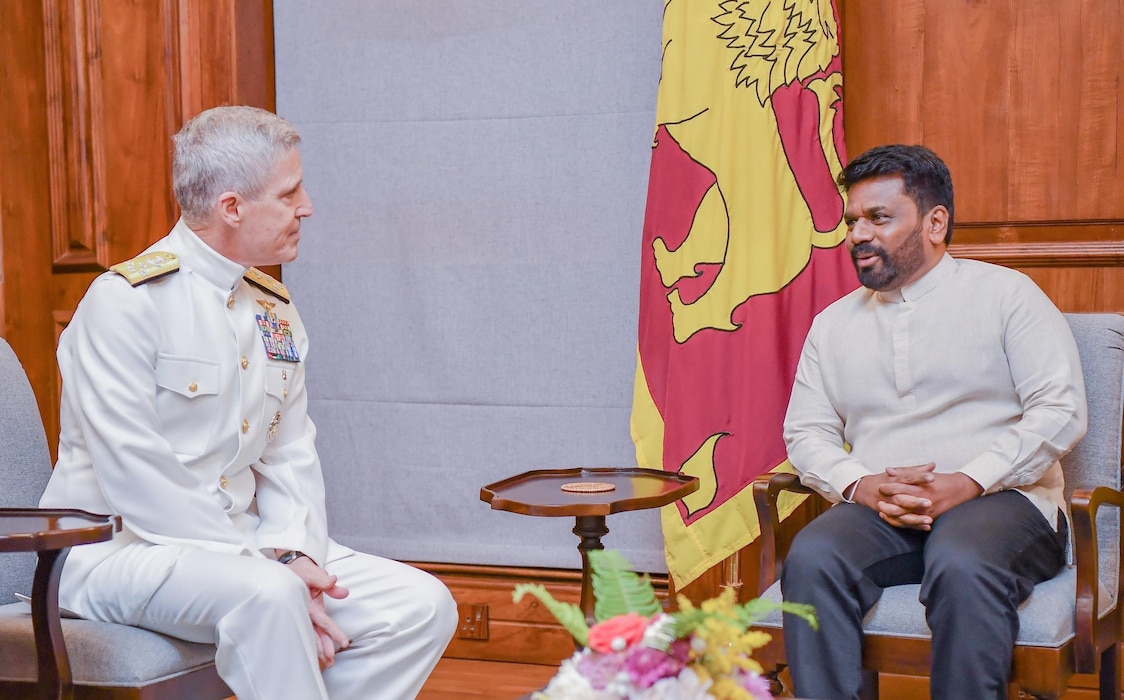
(276, 334)
(267, 284)
(148, 267)
(272, 432)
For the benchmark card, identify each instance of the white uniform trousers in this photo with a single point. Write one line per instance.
(399, 620)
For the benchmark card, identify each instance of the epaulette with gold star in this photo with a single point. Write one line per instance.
(266, 283)
(147, 267)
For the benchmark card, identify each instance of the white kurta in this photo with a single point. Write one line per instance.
(971, 367)
(175, 416)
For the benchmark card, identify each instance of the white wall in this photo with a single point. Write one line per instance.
(469, 279)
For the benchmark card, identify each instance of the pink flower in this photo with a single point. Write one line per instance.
(645, 666)
(600, 669)
(628, 627)
(758, 686)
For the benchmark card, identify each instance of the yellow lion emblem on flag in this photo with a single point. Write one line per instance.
(742, 91)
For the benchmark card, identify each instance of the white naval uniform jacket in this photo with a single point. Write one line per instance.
(175, 417)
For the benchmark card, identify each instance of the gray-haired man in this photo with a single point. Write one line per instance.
(185, 411)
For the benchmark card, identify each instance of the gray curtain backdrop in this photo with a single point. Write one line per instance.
(469, 279)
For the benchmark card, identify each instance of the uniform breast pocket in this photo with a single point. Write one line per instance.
(187, 401)
(277, 382)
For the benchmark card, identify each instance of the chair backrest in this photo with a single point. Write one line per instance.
(1096, 461)
(25, 463)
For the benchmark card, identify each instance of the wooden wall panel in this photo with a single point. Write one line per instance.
(72, 37)
(92, 92)
(224, 53)
(139, 108)
(26, 321)
(1081, 289)
(956, 94)
(1022, 99)
(1019, 96)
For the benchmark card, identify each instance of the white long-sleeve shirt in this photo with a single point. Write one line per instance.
(971, 367)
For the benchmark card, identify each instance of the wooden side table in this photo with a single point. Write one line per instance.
(540, 493)
(51, 534)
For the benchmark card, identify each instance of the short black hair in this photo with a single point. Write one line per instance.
(924, 175)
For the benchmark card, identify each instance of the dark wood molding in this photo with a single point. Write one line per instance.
(1084, 229)
(72, 39)
(1075, 254)
(1060, 243)
(173, 116)
(493, 627)
(518, 574)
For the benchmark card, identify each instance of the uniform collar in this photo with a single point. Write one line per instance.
(204, 260)
(945, 268)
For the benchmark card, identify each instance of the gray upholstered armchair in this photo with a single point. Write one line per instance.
(107, 661)
(1072, 623)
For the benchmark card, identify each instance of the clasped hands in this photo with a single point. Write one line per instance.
(913, 497)
(329, 636)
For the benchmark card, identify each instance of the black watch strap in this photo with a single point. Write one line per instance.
(290, 555)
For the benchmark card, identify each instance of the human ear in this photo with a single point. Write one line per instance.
(938, 224)
(230, 208)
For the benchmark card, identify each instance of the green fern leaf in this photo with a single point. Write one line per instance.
(742, 616)
(619, 590)
(568, 615)
(755, 610)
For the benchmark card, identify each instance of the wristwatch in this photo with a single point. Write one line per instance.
(287, 557)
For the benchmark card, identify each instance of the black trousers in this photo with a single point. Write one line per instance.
(978, 563)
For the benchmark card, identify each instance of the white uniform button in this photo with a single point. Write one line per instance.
(245, 362)
(222, 481)
(245, 426)
(230, 302)
(193, 387)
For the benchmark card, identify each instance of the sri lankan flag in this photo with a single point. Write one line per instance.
(742, 247)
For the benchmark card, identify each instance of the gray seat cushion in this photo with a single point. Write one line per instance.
(100, 653)
(1046, 619)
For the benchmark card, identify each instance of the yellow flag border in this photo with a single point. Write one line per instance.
(733, 523)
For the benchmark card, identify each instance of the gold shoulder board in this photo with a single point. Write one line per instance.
(147, 267)
(266, 283)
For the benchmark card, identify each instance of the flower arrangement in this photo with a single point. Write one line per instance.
(637, 652)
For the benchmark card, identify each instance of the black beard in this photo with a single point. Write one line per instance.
(907, 259)
(874, 277)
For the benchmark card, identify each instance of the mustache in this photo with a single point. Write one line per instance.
(868, 248)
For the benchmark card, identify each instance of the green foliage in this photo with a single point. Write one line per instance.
(741, 616)
(755, 610)
(619, 590)
(568, 615)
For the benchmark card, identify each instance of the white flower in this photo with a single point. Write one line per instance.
(620, 687)
(568, 684)
(685, 686)
(660, 632)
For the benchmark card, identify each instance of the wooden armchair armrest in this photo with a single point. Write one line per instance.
(50, 533)
(775, 535)
(1093, 634)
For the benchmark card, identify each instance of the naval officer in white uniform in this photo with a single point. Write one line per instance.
(184, 410)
